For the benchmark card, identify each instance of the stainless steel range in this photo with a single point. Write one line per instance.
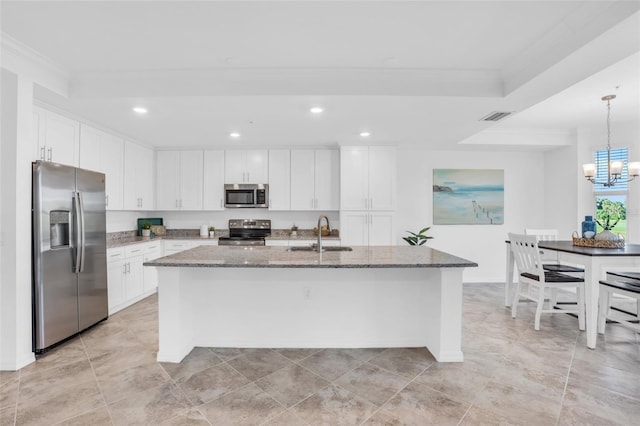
(246, 232)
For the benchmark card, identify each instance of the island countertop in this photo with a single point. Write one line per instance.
(281, 257)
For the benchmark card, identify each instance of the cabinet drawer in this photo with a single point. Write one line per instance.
(133, 250)
(115, 254)
(152, 248)
(176, 245)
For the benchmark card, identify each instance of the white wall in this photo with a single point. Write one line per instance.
(483, 244)
(15, 223)
(562, 175)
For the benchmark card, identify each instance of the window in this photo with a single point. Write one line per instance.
(611, 202)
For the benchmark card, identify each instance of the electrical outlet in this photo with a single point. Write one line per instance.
(307, 293)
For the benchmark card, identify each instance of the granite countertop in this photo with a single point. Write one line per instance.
(129, 240)
(280, 257)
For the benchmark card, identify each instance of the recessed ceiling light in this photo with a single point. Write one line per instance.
(365, 134)
(316, 110)
(140, 110)
(234, 134)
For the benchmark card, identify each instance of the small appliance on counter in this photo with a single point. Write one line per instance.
(204, 231)
(246, 232)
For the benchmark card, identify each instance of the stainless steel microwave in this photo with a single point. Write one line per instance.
(246, 195)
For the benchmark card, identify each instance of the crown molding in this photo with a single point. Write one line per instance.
(24, 60)
(289, 82)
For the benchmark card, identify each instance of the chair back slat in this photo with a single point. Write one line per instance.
(542, 234)
(526, 254)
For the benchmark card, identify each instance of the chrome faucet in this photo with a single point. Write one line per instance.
(319, 248)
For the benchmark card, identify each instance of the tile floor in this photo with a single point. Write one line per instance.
(511, 375)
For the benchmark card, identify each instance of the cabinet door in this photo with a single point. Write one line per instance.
(355, 228)
(354, 178)
(168, 180)
(190, 180)
(134, 281)
(382, 178)
(115, 282)
(213, 180)
(381, 229)
(91, 151)
(279, 179)
(235, 166)
(113, 165)
(327, 179)
(61, 138)
(104, 153)
(132, 154)
(150, 252)
(303, 179)
(146, 187)
(257, 166)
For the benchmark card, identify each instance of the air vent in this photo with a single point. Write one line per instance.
(496, 116)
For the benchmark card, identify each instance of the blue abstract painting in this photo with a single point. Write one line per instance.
(468, 197)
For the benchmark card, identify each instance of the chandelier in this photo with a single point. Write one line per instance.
(614, 168)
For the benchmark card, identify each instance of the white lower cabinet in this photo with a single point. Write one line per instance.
(151, 251)
(367, 228)
(175, 246)
(128, 281)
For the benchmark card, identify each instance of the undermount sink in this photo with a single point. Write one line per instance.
(326, 248)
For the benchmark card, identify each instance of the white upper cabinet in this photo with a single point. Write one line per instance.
(279, 179)
(327, 179)
(57, 137)
(315, 179)
(213, 185)
(104, 153)
(368, 178)
(139, 188)
(179, 180)
(246, 166)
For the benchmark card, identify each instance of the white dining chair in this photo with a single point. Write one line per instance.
(529, 263)
(549, 260)
(624, 284)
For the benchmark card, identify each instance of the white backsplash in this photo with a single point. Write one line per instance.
(127, 220)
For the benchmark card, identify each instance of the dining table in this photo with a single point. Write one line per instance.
(595, 261)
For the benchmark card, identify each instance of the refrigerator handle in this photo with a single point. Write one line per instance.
(76, 232)
(82, 233)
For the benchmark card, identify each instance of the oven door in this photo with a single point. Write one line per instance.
(239, 197)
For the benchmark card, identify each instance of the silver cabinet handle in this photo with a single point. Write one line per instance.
(106, 200)
(220, 202)
(124, 268)
(176, 203)
(141, 202)
(248, 177)
(42, 153)
(312, 203)
(50, 151)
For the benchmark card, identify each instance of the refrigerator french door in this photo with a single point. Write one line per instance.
(69, 252)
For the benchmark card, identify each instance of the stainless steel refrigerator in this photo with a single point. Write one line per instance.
(69, 252)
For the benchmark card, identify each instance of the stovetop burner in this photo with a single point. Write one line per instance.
(246, 232)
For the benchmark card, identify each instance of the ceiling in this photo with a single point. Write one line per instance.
(414, 73)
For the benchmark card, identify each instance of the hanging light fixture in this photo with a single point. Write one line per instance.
(614, 168)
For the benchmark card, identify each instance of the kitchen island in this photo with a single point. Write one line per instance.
(270, 297)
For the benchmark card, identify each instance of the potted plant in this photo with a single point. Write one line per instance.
(419, 238)
(212, 231)
(146, 229)
(294, 230)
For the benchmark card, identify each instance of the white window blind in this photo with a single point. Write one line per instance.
(600, 160)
